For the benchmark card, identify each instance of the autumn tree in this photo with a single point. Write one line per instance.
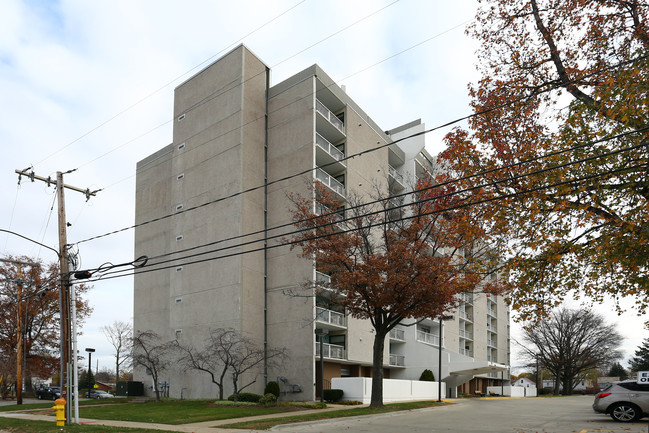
(570, 344)
(120, 336)
(153, 354)
(640, 362)
(558, 146)
(394, 258)
(39, 286)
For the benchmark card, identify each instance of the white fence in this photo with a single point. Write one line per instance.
(360, 389)
(513, 391)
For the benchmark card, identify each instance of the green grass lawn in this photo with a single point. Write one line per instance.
(265, 424)
(26, 426)
(176, 412)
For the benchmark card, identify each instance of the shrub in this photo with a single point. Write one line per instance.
(272, 388)
(544, 391)
(246, 396)
(268, 399)
(350, 402)
(427, 376)
(333, 394)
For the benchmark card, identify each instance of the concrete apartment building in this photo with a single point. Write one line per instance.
(237, 142)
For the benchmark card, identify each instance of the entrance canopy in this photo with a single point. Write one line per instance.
(476, 367)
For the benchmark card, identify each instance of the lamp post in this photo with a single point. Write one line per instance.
(439, 359)
(89, 350)
(321, 333)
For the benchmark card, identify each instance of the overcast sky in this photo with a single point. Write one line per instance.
(88, 85)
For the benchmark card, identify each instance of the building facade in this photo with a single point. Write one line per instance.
(212, 206)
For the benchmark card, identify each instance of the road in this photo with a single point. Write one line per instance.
(524, 415)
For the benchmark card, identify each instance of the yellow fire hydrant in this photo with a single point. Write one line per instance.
(59, 407)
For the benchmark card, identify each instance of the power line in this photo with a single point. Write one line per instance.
(436, 186)
(460, 206)
(165, 86)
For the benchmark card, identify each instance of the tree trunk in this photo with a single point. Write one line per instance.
(377, 369)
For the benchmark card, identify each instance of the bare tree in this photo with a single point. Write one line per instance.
(120, 336)
(150, 352)
(214, 358)
(570, 343)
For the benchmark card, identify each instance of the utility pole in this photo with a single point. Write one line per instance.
(19, 326)
(64, 295)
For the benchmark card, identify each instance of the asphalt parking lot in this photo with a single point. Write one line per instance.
(519, 415)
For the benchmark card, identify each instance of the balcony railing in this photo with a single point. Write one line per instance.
(466, 352)
(426, 337)
(397, 360)
(491, 312)
(330, 351)
(322, 278)
(491, 342)
(330, 148)
(329, 181)
(466, 334)
(329, 316)
(331, 117)
(464, 315)
(398, 334)
(466, 298)
(491, 327)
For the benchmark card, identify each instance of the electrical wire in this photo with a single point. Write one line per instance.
(167, 85)
(432, 187)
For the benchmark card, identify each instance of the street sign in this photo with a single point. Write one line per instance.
(643, 377)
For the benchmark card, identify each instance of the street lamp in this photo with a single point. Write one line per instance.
(321, 333)
(439, 360)
(89, 350)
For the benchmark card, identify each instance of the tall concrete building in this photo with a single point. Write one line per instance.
(206, 203)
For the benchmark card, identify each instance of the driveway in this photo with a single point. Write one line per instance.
(519, 415)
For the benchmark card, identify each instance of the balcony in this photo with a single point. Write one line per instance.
(329, 155)
(398, 334)
(396, 178)
(335, 319)
(330, 182)
(464, 315)
(491, 312)
(467, 298)
(491, 343)
(491, 328)
(397, 360)
(466, 334)
(330, 351)
(428, 338)
(466, 352)
(328, 124)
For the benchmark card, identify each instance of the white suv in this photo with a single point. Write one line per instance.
(625, 401)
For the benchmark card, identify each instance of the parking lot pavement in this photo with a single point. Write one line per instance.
(523, 415)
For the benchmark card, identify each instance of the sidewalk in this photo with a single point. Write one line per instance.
(199, 427)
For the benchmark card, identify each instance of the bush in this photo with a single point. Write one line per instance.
(246, 396)
(544, 391)
(350, 402)
(272, 388)
(333, 395)
(427, 376)
(268, 399)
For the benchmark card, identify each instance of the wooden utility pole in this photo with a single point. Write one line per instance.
(64, 292)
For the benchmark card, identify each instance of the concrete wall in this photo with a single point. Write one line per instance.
(360, 389)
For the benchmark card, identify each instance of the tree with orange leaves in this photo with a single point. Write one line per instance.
(395, 258)
(558, 146)
(40, 297)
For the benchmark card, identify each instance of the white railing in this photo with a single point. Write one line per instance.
(491, 358)
(491, 312)
(398, 360)
(331, 117)
(466, 352)
(464, 315)
(466, 334)
(491, 342)
(329, 316)
(330, 351)
(491, 327)
(395, 174)
(398, 334)
(322, 278)
(329, 181)
(330, 148)
(466, 298)
(426, 337)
